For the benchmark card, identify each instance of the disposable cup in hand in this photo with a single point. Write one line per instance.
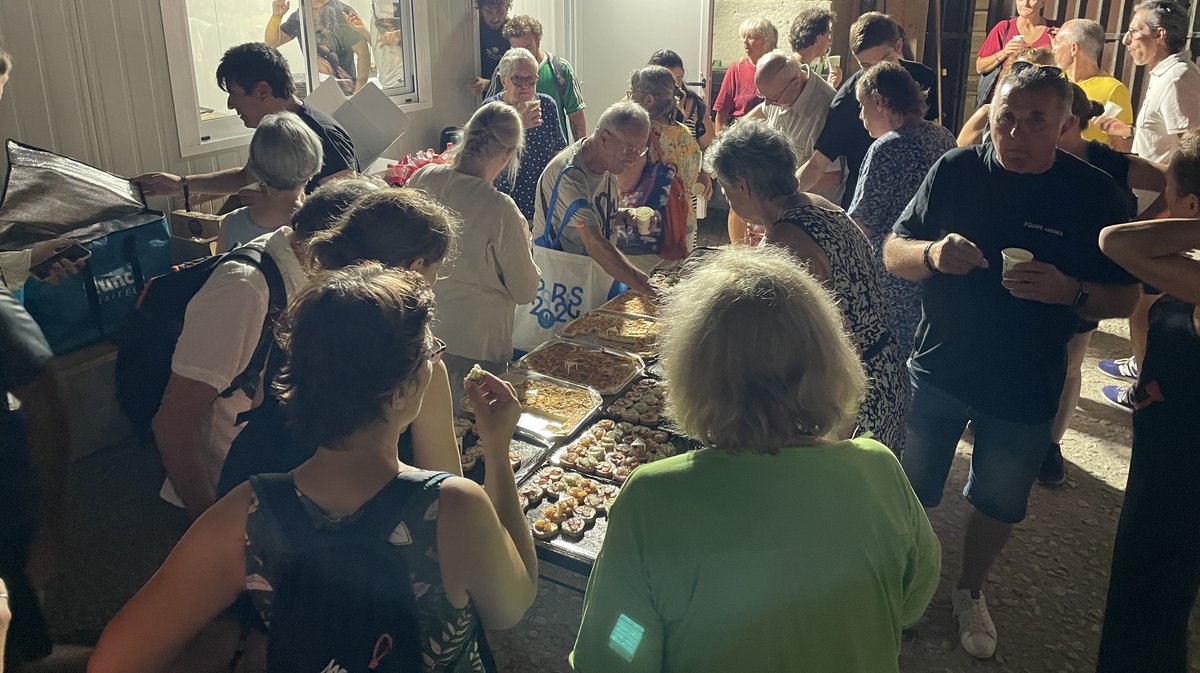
(699, 203)
(1111, 109)
(1015, 256)
(643, 215)
(835, 61)
(533, 112)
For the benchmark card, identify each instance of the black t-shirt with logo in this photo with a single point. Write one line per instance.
(1003, 355)
(492, 46)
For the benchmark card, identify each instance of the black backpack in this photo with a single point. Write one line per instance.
(343, 602)
(147, 342)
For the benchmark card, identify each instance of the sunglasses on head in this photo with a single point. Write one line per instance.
(1022, 66)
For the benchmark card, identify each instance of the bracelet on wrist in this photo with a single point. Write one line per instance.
(925, 256)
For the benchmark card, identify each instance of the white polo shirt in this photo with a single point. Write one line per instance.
(1171, 107)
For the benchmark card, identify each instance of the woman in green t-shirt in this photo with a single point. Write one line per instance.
(777, 547)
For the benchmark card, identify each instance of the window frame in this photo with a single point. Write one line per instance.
(199, 137)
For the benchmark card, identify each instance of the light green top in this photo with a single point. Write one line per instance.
(810, 560)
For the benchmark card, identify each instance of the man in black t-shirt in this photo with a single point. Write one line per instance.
(32, 475)
(492, 43)
(874, 38)
(259, 83)
(343, 39)
(991, 344)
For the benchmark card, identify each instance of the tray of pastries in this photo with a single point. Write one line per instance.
(634, 333)
(611, 450)
(524, 453)
(642, 404)
(606, 370)
(551, 408)
(631, 301)
(567, 510)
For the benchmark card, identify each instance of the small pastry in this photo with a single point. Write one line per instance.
(641, 407)
(605, 469)
(608, 490)
(649, 418)
(641, 431)
(624, 427)
(597, 502)
(629, 416)
(578, 494)
(585, 512)
(566, 507)
(605, 425)
(533, 493)
(621, 474)
(573, 527)
(554, 514)
(541, 480)
(556, 488)
(514, 461)
(523, 501)
(468, 460)
(555, 473)
(568, 458)
(585, 464)
(544, 529)
(585, 441)
(659, 437)
(590, 486)
(572, 479)
(476, 374)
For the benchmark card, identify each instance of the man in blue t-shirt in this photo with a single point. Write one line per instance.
(991, 346)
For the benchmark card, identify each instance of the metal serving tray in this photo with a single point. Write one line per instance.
(640, 365)
(539, 425)
(584, 549)
(650, 351)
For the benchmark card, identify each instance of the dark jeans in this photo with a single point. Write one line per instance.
(1156, 556)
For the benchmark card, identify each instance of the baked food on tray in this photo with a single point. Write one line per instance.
(632, 301)
(642, 404)
(571, 512)
(565, 406)
(638, 335)
(612, 450)
(604, 371)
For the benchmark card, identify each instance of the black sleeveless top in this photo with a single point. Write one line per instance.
(1166, 398)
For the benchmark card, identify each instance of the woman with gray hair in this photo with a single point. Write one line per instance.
(823, 556)
(284, 155)
(672, 151)
(494, 272)
(757, 168)
(544, 136)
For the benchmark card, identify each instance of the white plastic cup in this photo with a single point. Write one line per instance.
(835, 61)
(643, 214)
(1015, 256)
(699, 204)
(1111, 109)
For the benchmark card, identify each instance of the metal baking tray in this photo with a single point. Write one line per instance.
(681, 444)
(540, 425)
(650, 350)
(586, 548)
(640, 365)
(613, 305)
(531, 450)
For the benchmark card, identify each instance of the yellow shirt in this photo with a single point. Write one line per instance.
(1104, 88)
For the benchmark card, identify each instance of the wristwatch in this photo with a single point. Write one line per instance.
(1081, 297)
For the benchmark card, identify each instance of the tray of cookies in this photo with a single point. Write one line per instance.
(566, 510)
(626, 331)
(606, 370)
(611, 450)
(551, 408)
(632, 301)
(642, 404)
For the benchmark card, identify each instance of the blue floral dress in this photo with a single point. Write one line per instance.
(891, 173)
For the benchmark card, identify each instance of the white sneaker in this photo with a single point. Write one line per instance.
(976, 632)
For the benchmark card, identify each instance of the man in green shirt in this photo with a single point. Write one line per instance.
(556, 79)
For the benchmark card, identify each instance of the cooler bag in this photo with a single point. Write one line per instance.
(48, 196)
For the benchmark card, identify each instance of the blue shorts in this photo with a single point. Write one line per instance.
(1004, 462)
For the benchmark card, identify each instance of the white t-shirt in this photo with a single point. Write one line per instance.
(237, 228)
(1171, 107)
(220, 330)
(803, 121)
(494, 270)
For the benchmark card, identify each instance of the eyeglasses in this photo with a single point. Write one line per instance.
(627, 149)
(435, 352)
(1052, 70)
(523, 81)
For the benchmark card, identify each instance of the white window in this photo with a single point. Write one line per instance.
(357, 42)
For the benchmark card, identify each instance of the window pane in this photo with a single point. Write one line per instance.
(216, 25)
(387, 26)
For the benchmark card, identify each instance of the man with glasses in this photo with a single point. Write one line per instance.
(1077, 48)
(794, 103)
(1155, 40)
(587, 170)
(874, 37)
(991, 346)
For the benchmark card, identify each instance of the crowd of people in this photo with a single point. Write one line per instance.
(886, 284)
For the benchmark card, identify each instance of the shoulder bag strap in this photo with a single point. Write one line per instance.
(247, 381)
(550, 234)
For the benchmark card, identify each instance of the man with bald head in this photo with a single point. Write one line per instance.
(794, 102)
(1077, 49)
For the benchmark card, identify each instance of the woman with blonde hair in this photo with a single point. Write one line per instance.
(494, 271)
(776, 547)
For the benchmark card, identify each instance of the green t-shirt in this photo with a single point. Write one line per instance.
(570, 99)
(810, 560)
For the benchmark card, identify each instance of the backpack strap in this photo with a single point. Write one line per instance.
(398, 501)
(256, 255)
(279, 493)
(551, 238)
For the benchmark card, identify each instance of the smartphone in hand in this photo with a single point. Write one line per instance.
(72, 253)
